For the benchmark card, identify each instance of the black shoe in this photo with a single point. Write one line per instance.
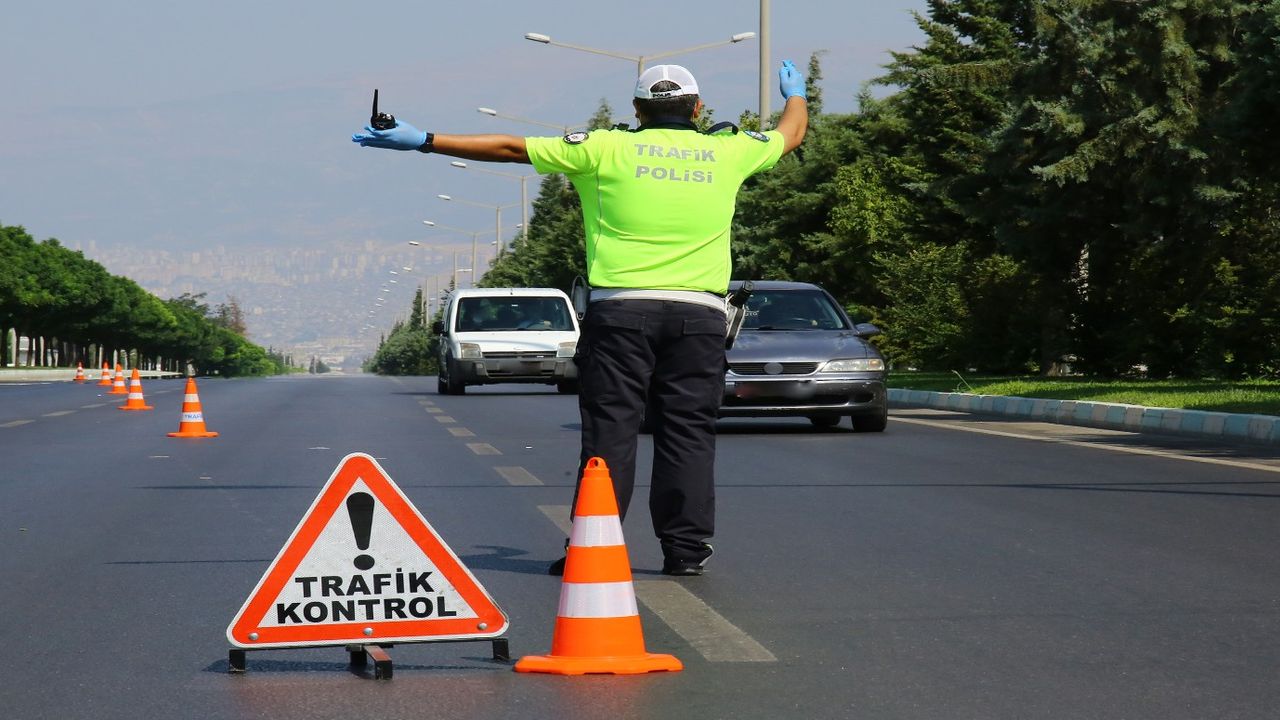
(557, 567)
(687, 566)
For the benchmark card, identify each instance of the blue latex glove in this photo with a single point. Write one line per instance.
(401, 137)
(790, 81)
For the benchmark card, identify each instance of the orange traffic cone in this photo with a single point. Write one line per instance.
(598, 624)
(135, 401)
(80, 372)
(117, 384)
(192, 425)
(106, 375)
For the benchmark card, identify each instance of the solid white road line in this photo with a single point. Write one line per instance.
(1096, 446)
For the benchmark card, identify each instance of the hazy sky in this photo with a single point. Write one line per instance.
(152, 123)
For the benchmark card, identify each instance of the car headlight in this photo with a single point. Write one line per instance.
(854, 365)
(566, 349)
(470, 351)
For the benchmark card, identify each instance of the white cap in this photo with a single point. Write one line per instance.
(671, 73)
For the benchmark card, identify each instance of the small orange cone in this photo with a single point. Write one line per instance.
(135, 401)
(117, 384)
(106, 375)
(80, 372)
(598, 624)
(192, 425)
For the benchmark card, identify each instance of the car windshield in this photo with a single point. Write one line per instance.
(792, 310)
(513, 313)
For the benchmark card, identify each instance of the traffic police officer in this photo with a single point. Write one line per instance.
(657, 206)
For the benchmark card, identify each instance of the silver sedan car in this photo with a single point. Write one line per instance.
(799, 354)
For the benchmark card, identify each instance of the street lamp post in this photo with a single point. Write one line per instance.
(764, 63)
(524, 191)
(475, 234)
(639, 60)
(498, 214)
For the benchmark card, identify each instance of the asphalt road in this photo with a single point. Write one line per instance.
(948, 568)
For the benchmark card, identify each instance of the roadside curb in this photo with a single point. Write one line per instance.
(1264, 429)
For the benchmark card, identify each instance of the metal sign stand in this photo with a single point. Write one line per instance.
(360, 654)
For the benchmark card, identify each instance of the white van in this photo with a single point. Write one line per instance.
(507, 335)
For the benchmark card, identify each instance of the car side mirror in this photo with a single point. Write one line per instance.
(437, 327)
(865, 330)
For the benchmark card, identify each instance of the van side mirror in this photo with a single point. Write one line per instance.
(865, 330)
(437, 327)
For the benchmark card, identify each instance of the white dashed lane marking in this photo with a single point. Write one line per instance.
(461, 432)
(444, 419)
(558, 514)
(59, 413)
(518, 476)
(483, 449)
(706, 630)
(715, 638)
(16, 423)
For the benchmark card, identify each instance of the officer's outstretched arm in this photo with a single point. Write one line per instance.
(493, 148)
(403, 136)
(794, 122)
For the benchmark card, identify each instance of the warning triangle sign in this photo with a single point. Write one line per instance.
(364, 566)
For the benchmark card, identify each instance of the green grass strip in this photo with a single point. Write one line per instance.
(1261, 397)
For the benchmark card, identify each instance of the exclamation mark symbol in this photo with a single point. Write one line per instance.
(360, 508)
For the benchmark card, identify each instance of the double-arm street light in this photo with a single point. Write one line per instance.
(430, 299)
(475, 234)
(497, 211)
(554, 126)
(639, 60)
(524, 193)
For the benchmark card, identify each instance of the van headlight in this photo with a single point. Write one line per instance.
(566, 349)
(854, 365)
(470, 351)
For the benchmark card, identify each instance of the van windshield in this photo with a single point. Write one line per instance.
(513, 313)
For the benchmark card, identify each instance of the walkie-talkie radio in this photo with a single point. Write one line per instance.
(736, 306)
(379, 120)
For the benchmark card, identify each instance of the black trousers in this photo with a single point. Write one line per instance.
(671, 356)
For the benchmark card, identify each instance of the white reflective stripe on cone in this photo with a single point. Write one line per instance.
(596, 531)
(135, 396)
(192, 417)
(191, 398)
(597, 600)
